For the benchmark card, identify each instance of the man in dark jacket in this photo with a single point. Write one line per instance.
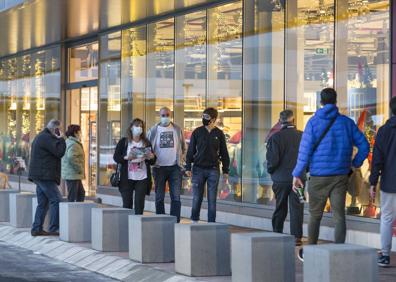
(206, 150)
(383, 165)
(47, 151)
(282, 151)
(329, 163)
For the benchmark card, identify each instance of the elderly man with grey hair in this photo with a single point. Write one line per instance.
(282, 152)
(48, 148)
(169, 146)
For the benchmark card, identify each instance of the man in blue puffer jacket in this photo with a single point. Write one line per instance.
(330, 164)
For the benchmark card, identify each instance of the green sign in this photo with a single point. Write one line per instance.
(321, 51)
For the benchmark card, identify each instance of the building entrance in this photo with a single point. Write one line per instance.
(82, 110)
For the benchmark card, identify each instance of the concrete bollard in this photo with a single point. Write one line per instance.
(47, 216)
(75, 221)
(262, 254)
(202, 249)
(21, 209)
(110, 229)
(340, 262)
(152, 238)
(5, 204)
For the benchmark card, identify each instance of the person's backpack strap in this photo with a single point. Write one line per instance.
(324, 134)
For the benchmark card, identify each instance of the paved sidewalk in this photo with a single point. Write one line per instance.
(118, 266)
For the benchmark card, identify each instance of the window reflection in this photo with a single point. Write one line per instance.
(160, 68)
(225, 83)
(29, 98)
(190, 80)
(109, 103)
(83, 62)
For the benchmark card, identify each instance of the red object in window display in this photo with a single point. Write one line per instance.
(236, 138)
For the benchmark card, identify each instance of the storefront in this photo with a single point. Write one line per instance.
(248, 58)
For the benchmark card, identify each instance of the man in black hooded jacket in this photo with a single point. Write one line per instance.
(282, 152)
(384, 165)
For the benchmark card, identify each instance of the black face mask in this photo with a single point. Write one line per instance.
(205, 122)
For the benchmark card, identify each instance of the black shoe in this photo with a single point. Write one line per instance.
(383, 261)
(301, 254)
(298, 242)
(39, 233)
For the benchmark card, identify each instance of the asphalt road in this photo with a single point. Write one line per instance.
(20, 265)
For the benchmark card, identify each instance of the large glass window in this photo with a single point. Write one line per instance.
(160, 68)
(190, 76)
(133, 80)
(83, 62)
(29, 98)
(225, 82)
(109, 103)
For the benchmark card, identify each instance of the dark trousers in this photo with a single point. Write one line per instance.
(137, 187)
(48, 198)
(172, 175)
(320, 189)
(75, 191)
(284, 195)
(200, 177)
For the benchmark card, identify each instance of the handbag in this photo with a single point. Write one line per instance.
(115, 177)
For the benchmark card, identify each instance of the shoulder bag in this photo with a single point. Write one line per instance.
(115, 177)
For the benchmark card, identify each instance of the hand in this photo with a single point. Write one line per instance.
(297, 182)
(373, 190)
(188, 173)
(149, 155)
(225, 177)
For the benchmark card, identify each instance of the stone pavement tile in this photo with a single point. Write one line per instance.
(31, 243)
(98, 265)
(80, 256)
(69, 253)
(124, 272)
(50, 247)
(58, 251)
(16, 238)
(145, 273)
(90, 259)
(23, 240)
(38, 246)
(115, 266)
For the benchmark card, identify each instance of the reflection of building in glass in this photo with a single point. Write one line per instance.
(248, 58)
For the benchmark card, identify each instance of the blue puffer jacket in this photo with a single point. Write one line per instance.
(333, 156)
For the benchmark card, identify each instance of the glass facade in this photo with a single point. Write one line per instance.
(250, 59)
(30, 92)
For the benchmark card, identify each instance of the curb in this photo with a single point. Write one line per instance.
(109, 265)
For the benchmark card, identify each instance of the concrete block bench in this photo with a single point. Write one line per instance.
(5, 204)
(47, 216)
(152, 238)
(262, 254)
(202, 249)
(110, 229)
(21, 209)
(340, 262)
(75, 221)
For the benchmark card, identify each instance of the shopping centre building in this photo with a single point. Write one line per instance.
(100, 63)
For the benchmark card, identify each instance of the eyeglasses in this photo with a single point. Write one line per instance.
(165, 115)
(206, 116)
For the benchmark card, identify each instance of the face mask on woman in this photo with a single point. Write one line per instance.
(136, 131)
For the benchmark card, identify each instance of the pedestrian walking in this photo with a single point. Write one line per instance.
(48, 148)
(73, 164)
(383, 165)
(206, 150)
(326, 150)
(135, 155)
(282, 152)
(169, 146)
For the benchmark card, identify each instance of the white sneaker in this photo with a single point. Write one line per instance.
(195, 222)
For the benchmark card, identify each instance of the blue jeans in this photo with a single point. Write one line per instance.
(200, 177)
(48, 197)
(172, 175)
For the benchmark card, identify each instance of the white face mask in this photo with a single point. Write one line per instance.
(136, 131)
